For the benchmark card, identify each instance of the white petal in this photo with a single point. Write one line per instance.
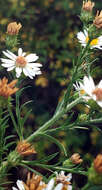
(69, 187)
(50, 184)
(7, 65)
(38, 73)
(33, 65)
(20, 51)
(23, 54)
(81, 37)
(12, 54)
(85, 32)
(7, 61)
(100, 84)
(20, 185)
(9, 55)
(14, 188)
(26, 72)
(92, 83)
(62, 173)
(69, 176)
(59, 187)
(31, 57)
(18, 71)
(10, 68)
(88, 85)
(31, 71)
(99, 103)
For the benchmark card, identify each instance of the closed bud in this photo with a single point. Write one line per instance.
(75, 158)
(98, 163)
(98, 20)
(88, 6)
(13, 28)
(95, 171)
(86, 12)
(25, 149)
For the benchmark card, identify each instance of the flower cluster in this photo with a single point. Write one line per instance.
(60, 182)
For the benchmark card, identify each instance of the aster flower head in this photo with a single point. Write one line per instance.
(83, 38)
(21, 63)
(88, 90)
(19, 185)
(62, 181)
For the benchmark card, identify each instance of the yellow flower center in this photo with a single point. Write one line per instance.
(93, 42)
(82, 92)
(98, 93)
(20, 61)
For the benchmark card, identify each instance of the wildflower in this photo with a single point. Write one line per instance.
(24, 148)
(88, 5)
(98, 20)
(13, 28)
(21, 63)
(34, 182)
(19, 185)
(64, 180)
(88, 87)
(75, 158)
(98, 163)
(6, 89)
(84, 38)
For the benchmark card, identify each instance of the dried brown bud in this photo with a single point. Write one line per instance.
(7, 90)
(13, 28)
(98, 163)
(88, 5)
(34, 182)
(98, 20)
(24, 148)
(75, 158)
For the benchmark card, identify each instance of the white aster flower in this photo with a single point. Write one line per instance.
(84, 38)
(19, 185)
(21, 63)
(62, 181)
(88, 90)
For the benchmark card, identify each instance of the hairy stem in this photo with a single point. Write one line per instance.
(55, 118)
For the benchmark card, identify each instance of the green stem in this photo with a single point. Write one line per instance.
(55, 118)
(12, 117)
(59, 168)
(86, 187)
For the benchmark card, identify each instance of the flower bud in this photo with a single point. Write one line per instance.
(75, 158)
(88, 5)
(13, 28)
(25, 149)
(98, 163)
(6, 90)
(98, 20)
(95, 171)
(12, 32)
(86, 12)
(83, 117)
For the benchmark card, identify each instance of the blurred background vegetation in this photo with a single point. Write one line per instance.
(49, 28)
